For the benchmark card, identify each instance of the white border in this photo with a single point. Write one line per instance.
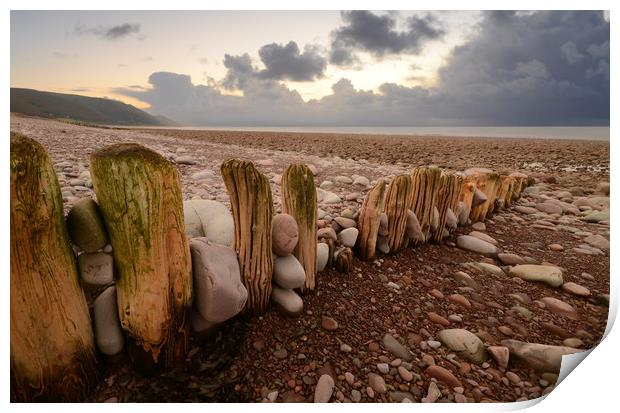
(591, 386)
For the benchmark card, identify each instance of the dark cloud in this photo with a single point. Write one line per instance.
(378, 35)
(109, 32)
(288, 63)
(513, 71)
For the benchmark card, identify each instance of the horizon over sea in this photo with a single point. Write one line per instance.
(595, 133)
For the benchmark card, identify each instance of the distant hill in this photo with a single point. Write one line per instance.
(80, 108)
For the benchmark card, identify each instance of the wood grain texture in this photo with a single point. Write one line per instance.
(450, 184)
(299, 201)
(252, 209)
(368, 221)
(487, 181)
(397, 201)
(425, 191)
(139, 193)
(52, 341)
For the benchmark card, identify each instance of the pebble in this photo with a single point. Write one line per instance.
(437, 319)
(356, 396)
(560, 307)
(470, 243)
(500, 354)
(324, 389)
(348, 237)
(280, 354)
(576, 289)
(345, 348)
(405, 374)
(397, 349)
(329, 323)
(443, 375)
(377, 383)
(383, 368)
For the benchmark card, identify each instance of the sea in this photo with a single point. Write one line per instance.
(594, 133)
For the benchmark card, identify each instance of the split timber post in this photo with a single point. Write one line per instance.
(299, 201)
(252, 210)
(139, 193)
(425, 190)
(448, 198)
(504, 191)
(466, 195)
(397, 203)
(368, 220)
(52, 341)
(487, 181)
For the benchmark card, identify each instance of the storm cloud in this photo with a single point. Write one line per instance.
(378, 35)
(288, 63)
(109, 32)
(515, 70)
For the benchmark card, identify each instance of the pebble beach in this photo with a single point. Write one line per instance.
(437, 322)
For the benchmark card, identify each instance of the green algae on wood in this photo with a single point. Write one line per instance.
(369, 220)
(52, 342)
(139, 194)
(299, 201)
(252, 210)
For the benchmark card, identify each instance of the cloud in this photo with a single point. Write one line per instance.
(511, 71)
(533, 68)
(379, 36)
(288, 63)
(109, 32)
(570, 53)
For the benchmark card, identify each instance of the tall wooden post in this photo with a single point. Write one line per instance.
(139, 193)
(487, 181)
(397, 202)
(299, 201)
(369, 220)
(252, 209)
(425, 190)
(52, 342)
(448, 197)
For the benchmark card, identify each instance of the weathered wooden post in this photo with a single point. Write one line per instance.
(487, 181)
(466, 196)
(299, 201)
(447, 199)
(52, 342)
(139, 193)
(425, 189)
(504, 190)
(521, 182)
(252, 209)
(397, 203)
(368, 221)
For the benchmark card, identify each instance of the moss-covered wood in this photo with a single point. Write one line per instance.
(425, 191)
(397, 201)
(252, 209)
(52, 342)
(139, 193)
(299, 201)
(369, 219)
(447, 198)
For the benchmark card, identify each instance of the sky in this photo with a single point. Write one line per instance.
(326, 68)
